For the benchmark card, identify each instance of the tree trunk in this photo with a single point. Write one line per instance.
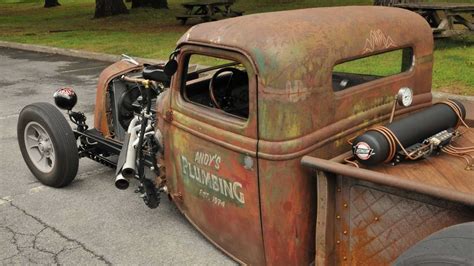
(51, 3)
(106, 8)
(150, 3)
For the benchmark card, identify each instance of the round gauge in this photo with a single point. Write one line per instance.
(405, 96)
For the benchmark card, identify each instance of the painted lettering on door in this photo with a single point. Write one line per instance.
(208, 185)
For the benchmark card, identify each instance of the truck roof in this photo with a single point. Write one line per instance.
(323, 36)
(294, 53)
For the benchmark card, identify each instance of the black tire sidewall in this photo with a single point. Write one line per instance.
(63, 140)
(449, 246)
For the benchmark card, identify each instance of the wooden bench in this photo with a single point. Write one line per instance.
(208, 10)
(443, 17)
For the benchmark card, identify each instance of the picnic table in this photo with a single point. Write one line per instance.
(444, 16)
(208, 10)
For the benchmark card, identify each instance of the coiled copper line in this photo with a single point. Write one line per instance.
(457, 111)
(392, 140)
(348, 160)
(462, 152)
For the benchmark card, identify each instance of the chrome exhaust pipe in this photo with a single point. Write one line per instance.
(129, 167)
(121, 182)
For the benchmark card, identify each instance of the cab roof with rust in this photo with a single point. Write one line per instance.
(316, 37)
(294, 53)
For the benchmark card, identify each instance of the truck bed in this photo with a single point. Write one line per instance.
(370, 216)
(443, 176)
(443, 171)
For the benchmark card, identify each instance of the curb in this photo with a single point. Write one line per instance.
(71, 52)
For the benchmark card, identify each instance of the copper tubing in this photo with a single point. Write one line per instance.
(470, 148)
(457, 111)
(394, 107)
(144, 82)
(465, 157)
(354, 163)
(393, 141)
(462, 153)
(388, 180)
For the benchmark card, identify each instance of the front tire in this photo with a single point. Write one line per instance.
(47, 144)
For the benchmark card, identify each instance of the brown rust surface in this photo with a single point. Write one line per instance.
(374, 224)
(230, 219)
(443, 171)
(295, 65)
(293, 112)
(378, 223)
(101, 120)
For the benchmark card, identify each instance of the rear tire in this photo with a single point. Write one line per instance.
(47, 144)
(450, 246)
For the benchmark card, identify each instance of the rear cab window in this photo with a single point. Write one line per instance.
(362, 70)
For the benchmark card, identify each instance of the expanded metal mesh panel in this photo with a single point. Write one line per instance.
(378, 224)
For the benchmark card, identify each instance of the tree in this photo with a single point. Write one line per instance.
(51, 3)
(151, 3)
(106, 8)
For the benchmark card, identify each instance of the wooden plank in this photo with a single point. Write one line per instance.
(443, 171)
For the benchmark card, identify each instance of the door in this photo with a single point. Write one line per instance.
(212, 146)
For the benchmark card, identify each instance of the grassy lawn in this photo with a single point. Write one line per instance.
(153, 33)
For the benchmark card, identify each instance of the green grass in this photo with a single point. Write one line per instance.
(371, 65)
(153, 33)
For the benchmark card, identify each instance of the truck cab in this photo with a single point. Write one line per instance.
(284, 88)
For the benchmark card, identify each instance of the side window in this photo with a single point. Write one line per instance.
(219, 84)
(358, 71)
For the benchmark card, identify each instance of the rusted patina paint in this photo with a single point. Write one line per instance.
(379, 223)
(293, 112)
(294, 60)
(101, 120)
(207, 153)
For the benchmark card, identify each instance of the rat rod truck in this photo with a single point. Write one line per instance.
(312, 137)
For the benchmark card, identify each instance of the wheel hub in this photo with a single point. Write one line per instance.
(44, 146)
(39, 146)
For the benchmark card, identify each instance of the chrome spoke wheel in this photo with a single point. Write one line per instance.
(39, 147)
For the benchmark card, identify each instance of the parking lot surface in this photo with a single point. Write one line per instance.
(89, 222)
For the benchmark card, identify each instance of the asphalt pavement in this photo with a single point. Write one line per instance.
(89, 222)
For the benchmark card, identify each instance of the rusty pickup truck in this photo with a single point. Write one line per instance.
(286, 138)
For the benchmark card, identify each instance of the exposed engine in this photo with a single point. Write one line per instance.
(133, 97)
